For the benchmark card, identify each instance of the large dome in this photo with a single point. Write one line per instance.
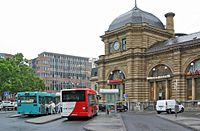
(136, 16)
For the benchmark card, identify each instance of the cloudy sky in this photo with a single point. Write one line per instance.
(74, 27)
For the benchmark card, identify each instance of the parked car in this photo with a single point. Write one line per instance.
(168, 106)
(1, 107)
(110, 108)
(198, 103)
(102, 107)
(15, 105)
(121, 107)
(8, 105)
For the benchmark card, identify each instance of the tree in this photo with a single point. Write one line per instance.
(16, 75)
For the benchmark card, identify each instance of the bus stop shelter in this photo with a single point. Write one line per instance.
(110, 98)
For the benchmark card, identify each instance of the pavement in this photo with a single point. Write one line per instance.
(44, 119)
(115, 123)
(189, 122)
(105, 122)
(102, 122)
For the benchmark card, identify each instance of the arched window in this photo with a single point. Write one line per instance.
(116, 75)
(160, 82)
(159, 71)
(193, 75)
(193, 68)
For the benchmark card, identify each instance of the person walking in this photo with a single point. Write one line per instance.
(52, 107)
(58, 107)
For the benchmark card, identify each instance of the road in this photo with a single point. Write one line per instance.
(19, 124)
(134, 121)
(149, 122)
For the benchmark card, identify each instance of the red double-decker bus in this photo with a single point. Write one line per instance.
(79, 102)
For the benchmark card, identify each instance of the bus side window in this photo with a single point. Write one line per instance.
(41, 100)
(91, 99)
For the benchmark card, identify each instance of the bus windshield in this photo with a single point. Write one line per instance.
(73, 96)
(27, 99)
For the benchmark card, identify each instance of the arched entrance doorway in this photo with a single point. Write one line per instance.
(193, 80)
(160, 83)
(116, 81)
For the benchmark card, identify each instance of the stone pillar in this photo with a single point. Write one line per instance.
(154, 91)
(107, 48)
(166, 90)
(193, 89)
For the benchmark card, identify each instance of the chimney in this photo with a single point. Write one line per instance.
(170, 22)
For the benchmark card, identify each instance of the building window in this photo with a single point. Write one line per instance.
(160, 70)
(169, 89)
(124, 44)
(197, 89)
(189, 89)
(193, 72)
(151, 91)
(110, 47)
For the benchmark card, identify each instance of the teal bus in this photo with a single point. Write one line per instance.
(35, 103)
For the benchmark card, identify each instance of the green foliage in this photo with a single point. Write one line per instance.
(16, 75)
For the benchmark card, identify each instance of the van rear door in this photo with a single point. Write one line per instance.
(161, 105)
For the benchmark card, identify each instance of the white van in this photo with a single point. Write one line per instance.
(168, 106)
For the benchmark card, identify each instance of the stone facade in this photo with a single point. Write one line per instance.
(153, 61)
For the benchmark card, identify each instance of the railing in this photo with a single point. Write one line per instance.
(142, 106)
(151, 106)
(192, 105)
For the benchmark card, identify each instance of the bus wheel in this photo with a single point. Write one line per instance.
(169, 111)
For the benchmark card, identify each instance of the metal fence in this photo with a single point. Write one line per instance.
(151, 106)
(142, 106)
(193, 105)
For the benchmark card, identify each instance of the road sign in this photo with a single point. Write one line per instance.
(125, 95)
(6, 93)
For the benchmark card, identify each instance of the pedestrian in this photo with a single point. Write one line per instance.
(107, 111)
(52, 107)
(58, 107)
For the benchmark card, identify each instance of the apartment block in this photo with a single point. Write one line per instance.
(61, 71)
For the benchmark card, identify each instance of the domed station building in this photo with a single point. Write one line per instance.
(147, 61)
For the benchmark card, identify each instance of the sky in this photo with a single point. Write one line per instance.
(74, 27)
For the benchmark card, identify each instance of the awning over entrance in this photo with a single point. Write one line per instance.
(114, 81)
(109, 91)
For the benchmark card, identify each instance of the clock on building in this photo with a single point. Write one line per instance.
(116, 45)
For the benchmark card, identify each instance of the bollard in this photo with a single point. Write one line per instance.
(175, 114)
(107, 112)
